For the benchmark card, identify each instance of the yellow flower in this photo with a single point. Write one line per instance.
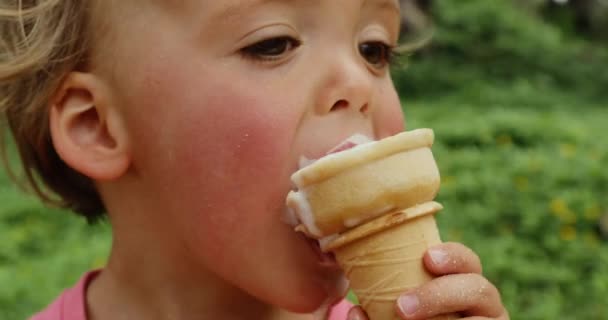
(558, 206)
(567, 233)
(560, 209)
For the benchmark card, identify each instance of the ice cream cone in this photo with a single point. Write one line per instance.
(372, 206)
(383, 258)
(343, 190)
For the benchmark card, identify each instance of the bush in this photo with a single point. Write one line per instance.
(481, 43)
(526, 190)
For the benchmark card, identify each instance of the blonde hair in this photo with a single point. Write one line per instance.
(41, 42)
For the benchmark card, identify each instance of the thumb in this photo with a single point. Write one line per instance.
(356, 313)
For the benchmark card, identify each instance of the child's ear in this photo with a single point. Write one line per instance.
(87, 129)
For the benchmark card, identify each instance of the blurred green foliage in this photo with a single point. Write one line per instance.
(42, 250)
(526, 190)
(518, 105)
(489, 49)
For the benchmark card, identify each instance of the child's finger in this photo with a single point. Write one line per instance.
(357, 313)
(451, 258)
(470, 294)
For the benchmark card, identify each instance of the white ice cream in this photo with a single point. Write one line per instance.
(298, 199)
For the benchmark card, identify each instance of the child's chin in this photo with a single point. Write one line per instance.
(316, 296)
(311, 305)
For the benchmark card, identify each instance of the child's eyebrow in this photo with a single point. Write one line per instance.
(232, 9)
(391, 5)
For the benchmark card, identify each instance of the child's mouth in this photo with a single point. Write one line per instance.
(351, 142)
(355, 140)
(326, 259)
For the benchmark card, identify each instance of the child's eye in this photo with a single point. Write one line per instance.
(377, 53)
(271, 49)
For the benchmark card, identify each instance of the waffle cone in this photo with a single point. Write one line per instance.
(344, 190)
(383, 258)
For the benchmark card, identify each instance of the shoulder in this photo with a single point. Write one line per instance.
(71, 304)
(340, 310)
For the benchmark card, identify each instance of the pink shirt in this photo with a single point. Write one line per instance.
(71, 304)
(340, 310)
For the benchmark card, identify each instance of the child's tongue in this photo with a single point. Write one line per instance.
(350, 143)
(342, 147)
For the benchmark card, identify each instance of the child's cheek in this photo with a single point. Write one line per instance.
(235, 162)
(214, 141)
(240, 135)
(235, 142)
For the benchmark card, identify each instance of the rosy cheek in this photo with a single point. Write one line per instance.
(213, 142)
(235, 141)
(238, 133)
(237, 158)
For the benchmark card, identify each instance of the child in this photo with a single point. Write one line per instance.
(183, 120)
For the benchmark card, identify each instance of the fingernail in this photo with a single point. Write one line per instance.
(438, 256)
(408, 304)
(355, 314)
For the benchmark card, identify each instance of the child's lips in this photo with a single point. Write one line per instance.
(326, 259)
(349, 143)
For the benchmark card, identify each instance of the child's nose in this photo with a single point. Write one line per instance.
(348, 87)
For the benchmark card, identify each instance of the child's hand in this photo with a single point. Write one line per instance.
(460, 288)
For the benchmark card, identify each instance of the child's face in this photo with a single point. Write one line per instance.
(221, 98)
